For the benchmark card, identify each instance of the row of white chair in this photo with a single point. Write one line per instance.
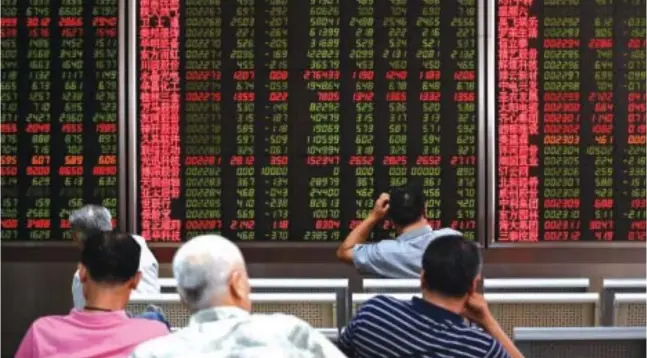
(322, 310)
(393, 286)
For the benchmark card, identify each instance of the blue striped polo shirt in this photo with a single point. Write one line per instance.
(387, 327)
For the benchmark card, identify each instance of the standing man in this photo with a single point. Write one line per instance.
(94, 218)
(399, 258)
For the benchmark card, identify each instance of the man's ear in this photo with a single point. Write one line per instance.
(422, 279)
(475, 287)
(237, 285)
(134, 281)
(83, 273)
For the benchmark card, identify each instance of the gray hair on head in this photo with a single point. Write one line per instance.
(202, 268)
(89, 219)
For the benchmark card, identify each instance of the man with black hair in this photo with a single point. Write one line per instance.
(434, 325)
(91, 219)
(399, 258)
(108, 271)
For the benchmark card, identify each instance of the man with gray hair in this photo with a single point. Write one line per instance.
(94, 218)
(212, 281)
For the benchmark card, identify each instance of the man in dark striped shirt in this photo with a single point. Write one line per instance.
(434, 325)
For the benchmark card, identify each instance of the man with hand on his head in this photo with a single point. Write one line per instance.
(434, 325)
(399, 258)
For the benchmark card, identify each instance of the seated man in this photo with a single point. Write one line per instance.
(212, 281)
(93, 218)
(434, 325)
(108, 272)
(399, 258)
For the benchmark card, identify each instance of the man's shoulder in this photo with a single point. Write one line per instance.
(384, 302)
(163, 345)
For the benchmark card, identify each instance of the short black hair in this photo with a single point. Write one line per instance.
(450, 264)
(111, 257)
(406, 205)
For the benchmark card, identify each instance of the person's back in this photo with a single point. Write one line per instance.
(88, 334)
(230, 331)
(101, 328)
(399, 258)
(93, 218)
(434, 325)
(385, 326)
(212, 281)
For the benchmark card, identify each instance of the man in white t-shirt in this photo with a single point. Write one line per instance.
(93, 218)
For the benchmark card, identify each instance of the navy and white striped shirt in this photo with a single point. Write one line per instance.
(387, 327)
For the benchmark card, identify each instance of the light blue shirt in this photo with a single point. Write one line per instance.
(399, 258)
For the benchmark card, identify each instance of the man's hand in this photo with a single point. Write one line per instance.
(476, 310)
(381, 207)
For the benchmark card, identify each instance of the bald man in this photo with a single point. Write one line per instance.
(212, 281)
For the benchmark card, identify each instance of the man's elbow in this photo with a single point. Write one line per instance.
(345, 254)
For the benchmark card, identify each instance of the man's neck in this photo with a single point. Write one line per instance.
(414, 226)
(455, 305)
(108, 299)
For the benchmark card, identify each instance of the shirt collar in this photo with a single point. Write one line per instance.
(421, 231)
(216, 314)
(436, 312)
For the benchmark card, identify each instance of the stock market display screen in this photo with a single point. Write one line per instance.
(570, 117)
(59, 113)
(284, 120)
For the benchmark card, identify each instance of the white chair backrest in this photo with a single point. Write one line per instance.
(527, 309)
(629, 309)
(507, 285)
(318, 309)
(293, 285)
(612, 286)
(593, 342)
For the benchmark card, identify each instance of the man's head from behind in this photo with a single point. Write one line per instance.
(88, 220)
(110, 260)
(406, 205)
(451, 267)
(210, 271)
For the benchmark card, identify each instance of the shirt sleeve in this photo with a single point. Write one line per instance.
(346, 339)
(26, 349)
(497, 350)
(78, 300)
(370, 258)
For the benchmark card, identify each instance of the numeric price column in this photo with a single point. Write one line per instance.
(463, 160)
(9, 124)
(600, 99)
(636, 155)
(105, 105)
(426, 168)
(561, 95)
(202, 117)
(274, 170)
(244, 96)
(37, 124)
(71, 117)
(363, 159)
(322, 78)
(395, 54)
(517, 122)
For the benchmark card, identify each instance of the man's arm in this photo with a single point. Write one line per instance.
(360, 234)
(476, 310)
